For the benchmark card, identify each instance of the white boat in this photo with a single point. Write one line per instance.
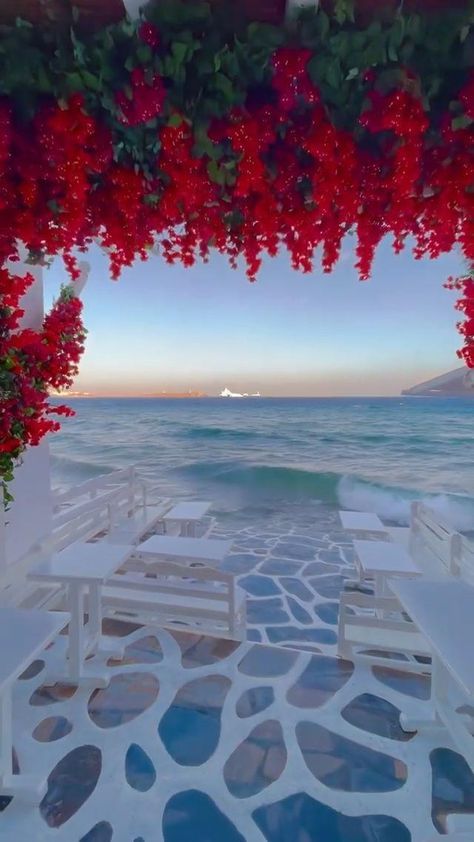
(226, 393)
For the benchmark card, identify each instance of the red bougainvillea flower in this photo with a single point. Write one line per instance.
(148, 33)
(144, 102)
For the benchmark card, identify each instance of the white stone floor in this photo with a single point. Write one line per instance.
(198, 739)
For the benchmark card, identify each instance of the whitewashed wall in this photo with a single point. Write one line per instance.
(29, 518)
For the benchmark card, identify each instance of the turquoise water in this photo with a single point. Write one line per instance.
(373, 454)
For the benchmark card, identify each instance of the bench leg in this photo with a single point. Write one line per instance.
(430, 718)
(27, 787)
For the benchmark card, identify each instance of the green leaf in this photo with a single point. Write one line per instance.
(214, 173)
(179, 51)
(224, 85)
(334, 74)
(461, 122)
(175, 120)
(92, 82)
(323, 24)
(144, 54)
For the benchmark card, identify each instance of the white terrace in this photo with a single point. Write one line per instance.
(157, 720)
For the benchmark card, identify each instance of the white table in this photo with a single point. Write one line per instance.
(362, 522)
(444, 613)
(188, 550)
(23, 635)
(187, 515)
(379, 560)
(79, 567)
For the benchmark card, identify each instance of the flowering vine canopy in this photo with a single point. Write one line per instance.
(187, 133)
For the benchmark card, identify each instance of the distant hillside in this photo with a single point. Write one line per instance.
(458, 382)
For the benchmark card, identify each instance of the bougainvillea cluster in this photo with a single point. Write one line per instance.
(173, 135)
(31, 364)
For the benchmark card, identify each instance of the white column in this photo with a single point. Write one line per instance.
(30, 516)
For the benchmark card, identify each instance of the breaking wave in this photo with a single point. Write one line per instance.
(351, 492)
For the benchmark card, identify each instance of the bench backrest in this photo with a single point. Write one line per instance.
(432, 536)
(176, 579)
(464, 561)
(91, 488)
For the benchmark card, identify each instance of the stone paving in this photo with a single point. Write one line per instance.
(200, 739)
(293, 568)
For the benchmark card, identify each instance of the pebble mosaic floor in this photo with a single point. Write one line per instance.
(198, 739)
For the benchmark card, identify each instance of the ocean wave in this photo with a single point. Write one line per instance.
(213, 432)
(78, 469)
(335, 489)
(394, 503)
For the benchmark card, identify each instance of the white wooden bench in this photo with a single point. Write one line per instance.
(161, 548)
(199, 598)
(375, 623)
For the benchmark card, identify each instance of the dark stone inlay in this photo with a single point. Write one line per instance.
(126, 697)
(101, 832)
(70, 784)
(254, 700)
(264, 661)
(259, 585)
(279, 567)
(328, 586)
(139, 769)
(198, 650)
(51, 729)
(321, 568)
(240, 563)
(303, 819)
(49, 695)
(34, 669)
(145, 650)
(301, 552)
(192, 816)
(257, 762)
(328, 612)
(296, 587)
(321, 679)
(299, 613)
(408, 683)
(331, 556)
(375, 715)
(254, 634)
(266, 611)
(452, 788)
(118, 628)
(342, 764)
(190, 728)
(278, 634)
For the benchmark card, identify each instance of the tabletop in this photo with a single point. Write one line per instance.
(82, 562)
(361, 521)
(199, 549)
(444, 613)
(193, 510)
(385, 557)
(23, 635)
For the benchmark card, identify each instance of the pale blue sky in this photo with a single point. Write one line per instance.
(167, 328)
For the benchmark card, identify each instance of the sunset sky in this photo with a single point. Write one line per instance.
(167, 328)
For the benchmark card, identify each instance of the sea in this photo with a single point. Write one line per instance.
(252, 456)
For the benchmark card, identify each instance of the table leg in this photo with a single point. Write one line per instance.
(76, 631)
(27, 787)
(95, 614)
(430, 719)
(6, 743)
